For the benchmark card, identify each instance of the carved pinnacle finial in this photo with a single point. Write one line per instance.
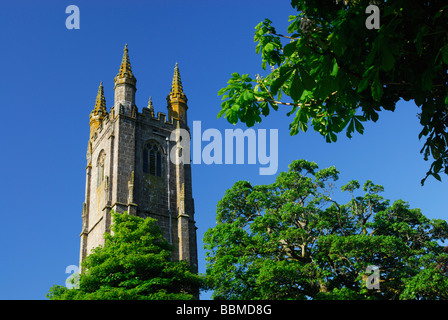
(100, 102)
(176, 86)
(150, 106)
(99, 112)
(125, 67)
(177, 100)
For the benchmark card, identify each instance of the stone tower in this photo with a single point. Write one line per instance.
(129, 167)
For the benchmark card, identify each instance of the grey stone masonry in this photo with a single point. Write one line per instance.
(122, 175)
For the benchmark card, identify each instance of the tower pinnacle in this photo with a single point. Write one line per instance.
(125, 67)
(150, 106)
(125, 87)
(99, 111)
(177, 100)
(100, 102)
(176, 86)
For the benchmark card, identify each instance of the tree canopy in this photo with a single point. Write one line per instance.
(333, 73)
(292, 240)
(134, 264)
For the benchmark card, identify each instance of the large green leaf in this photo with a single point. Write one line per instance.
(334, 71)
(285, 73)
(296, 87)
(377, 87)
(307, 81)
(289, 49)
(387, 61)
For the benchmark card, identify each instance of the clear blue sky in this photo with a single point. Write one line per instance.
(49, 80)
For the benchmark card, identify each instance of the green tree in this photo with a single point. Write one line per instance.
(292, 240)
(336, 73)
(134, 264)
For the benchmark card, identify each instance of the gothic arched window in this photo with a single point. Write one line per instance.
(152, 159)
(100, 168)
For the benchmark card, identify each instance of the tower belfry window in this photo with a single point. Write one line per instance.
(152, 159)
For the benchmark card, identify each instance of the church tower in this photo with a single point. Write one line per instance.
(129, 167)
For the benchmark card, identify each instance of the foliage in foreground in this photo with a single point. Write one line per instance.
(292, 240)
(332, 73)
(134, 264)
